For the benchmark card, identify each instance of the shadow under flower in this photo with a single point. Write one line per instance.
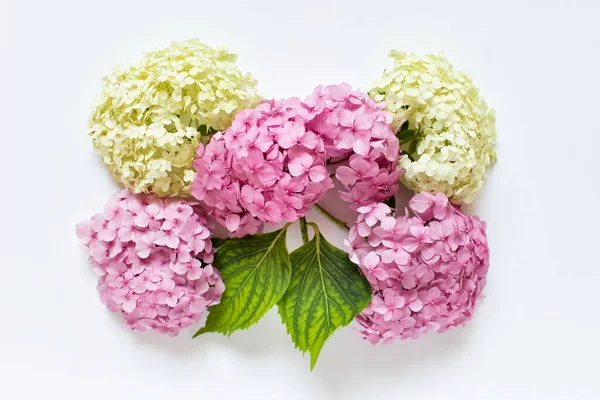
(348, 358)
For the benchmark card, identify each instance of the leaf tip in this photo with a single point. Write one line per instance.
(198, 333)
(314, 356)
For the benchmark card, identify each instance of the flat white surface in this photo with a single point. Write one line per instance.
(536, 333)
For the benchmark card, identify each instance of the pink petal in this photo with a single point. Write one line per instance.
(416, 305)
(410, 244)
(317, 173)
(402, 257)
(108, 235)
(387, 256)
(194, 273)
(179, 267)
(371, 260)
(298, 165)
(172, 301)
(421, 202)
(232, 222)
(439, 212)
(380, 274)
(129, 305)
(346, 140)
(363, 121)
(362, 147)
(167, 285)
(172, 241)
(408, 322)
(379, 307)
(273, 211)
(310, 140)
(346, 175)
(84, 232)
(346, 118)
(143, 253)
(141, 220)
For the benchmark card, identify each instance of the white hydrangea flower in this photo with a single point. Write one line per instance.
(152, 115)
(447, 133)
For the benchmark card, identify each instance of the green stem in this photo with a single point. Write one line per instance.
(331, 217)
(399, 127)
(316, 231)
(303, 230)
(314, 226)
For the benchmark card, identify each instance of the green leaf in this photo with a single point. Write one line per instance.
(406, 135)
(217, 242)
(326, 292)
(206, 130)
(256, 271)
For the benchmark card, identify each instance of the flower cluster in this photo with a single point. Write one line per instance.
(267, 166)
(359, 142)
(447, 131)
(427, 271)
(152, 115)
(270, 165)
(154, 259)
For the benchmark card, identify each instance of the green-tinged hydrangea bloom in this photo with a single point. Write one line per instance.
(152, 115)
(446, 130)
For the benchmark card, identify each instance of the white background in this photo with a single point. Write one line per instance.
(536, 333)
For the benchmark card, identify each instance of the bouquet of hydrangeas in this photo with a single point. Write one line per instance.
(184, 131)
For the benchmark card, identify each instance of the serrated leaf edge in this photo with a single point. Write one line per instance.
(283, 232)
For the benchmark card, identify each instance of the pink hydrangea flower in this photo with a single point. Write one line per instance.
(359, 142)
(268, 166)
(153, 258)
(427, 271)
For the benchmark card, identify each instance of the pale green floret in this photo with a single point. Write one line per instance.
(448, 133)
(152, 115)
